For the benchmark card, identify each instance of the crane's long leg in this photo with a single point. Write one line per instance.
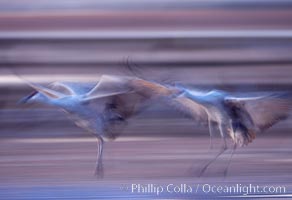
(222, 150)
(211, 132)
(223, 132)
(230, 158)
(99, 165)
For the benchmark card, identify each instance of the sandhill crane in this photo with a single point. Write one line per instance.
(240, 118)
(99, 107)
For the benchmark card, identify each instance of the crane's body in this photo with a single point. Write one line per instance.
(98, 108)
(240, 118)
(216, 111)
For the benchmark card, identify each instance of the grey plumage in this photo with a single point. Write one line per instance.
(239, 118)
(99, 107)
(256, 112)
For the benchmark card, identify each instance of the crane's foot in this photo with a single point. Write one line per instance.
(99, 172)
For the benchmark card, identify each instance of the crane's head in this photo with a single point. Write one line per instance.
(40, 95)
(34, 97)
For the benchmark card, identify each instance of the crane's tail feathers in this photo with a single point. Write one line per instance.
(243, 136)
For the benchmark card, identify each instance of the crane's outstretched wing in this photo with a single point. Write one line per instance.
(109, 86)
(265, 110)
(124, 105)
(137, 93)
(190, 109)
(72, 88)
(150, 89)
(127, 90)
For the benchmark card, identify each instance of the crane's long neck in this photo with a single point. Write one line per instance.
(43, 99)
(195, 97)
(49, 101)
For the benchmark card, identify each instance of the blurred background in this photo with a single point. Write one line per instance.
(236, 45)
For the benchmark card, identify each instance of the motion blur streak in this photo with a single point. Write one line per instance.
(235, 45)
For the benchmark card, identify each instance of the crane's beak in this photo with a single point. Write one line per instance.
(46, 91)
(26, 99)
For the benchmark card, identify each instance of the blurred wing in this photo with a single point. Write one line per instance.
(124, 105)
(109, 86)
(191, 109)
(120, 108)
(265, 111)
(72, 88)
(128, 104)
(150, 89)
